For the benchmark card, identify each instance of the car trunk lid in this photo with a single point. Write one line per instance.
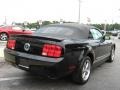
(33, 44)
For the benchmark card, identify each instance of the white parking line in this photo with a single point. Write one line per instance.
(11, 78)
(18, 78)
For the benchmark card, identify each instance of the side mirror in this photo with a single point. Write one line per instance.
(23, 30)
(107, 37)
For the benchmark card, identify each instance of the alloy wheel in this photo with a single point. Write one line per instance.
(86, 70)
(3, 36)
(112, 54)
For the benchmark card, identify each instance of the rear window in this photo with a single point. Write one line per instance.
(57, 31)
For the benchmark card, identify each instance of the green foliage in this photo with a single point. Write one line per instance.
(109, 27)
(46, 23)
(55, 22)
(100, 26)
(37, 25)
(33, 25)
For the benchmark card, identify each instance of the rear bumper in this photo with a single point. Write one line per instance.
(51, 67)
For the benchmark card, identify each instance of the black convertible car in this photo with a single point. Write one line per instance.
(60, 49)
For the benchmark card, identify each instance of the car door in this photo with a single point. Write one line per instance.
(94, 42)
(99, 44)
(17, 30)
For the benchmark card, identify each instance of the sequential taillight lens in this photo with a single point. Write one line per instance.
(11, 44)
(51, 50)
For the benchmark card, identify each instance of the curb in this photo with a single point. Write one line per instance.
(2, 43)
(2, 59)
(2, 51)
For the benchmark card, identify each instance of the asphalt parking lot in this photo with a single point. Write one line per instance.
(104, 77)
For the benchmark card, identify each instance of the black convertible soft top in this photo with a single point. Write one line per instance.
(82, 30)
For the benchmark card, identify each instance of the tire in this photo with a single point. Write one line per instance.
(82, 74)
(112, 55)
(3, 36)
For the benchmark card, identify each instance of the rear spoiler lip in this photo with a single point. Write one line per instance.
(75, 45)
(38, 37)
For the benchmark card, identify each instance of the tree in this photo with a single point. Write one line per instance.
(46, 23)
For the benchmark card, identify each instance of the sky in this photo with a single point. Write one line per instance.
(98, 11)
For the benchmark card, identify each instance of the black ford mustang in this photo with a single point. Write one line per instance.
(60, 49)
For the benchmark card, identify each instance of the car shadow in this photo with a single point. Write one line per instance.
(36, 81)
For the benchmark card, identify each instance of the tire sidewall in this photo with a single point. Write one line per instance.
(77, 75)
(111, 60)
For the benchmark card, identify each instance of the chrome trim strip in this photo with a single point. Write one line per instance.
(102, 57)
(23, 66)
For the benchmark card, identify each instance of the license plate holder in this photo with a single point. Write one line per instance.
(23, 63)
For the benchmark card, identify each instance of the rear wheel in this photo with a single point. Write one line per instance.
(82, 74)
(3, 36)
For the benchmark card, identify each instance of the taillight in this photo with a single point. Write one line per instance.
(11, 44)
(51, 50)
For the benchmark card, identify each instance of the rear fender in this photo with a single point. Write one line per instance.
(79, 50)
(87, 52)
